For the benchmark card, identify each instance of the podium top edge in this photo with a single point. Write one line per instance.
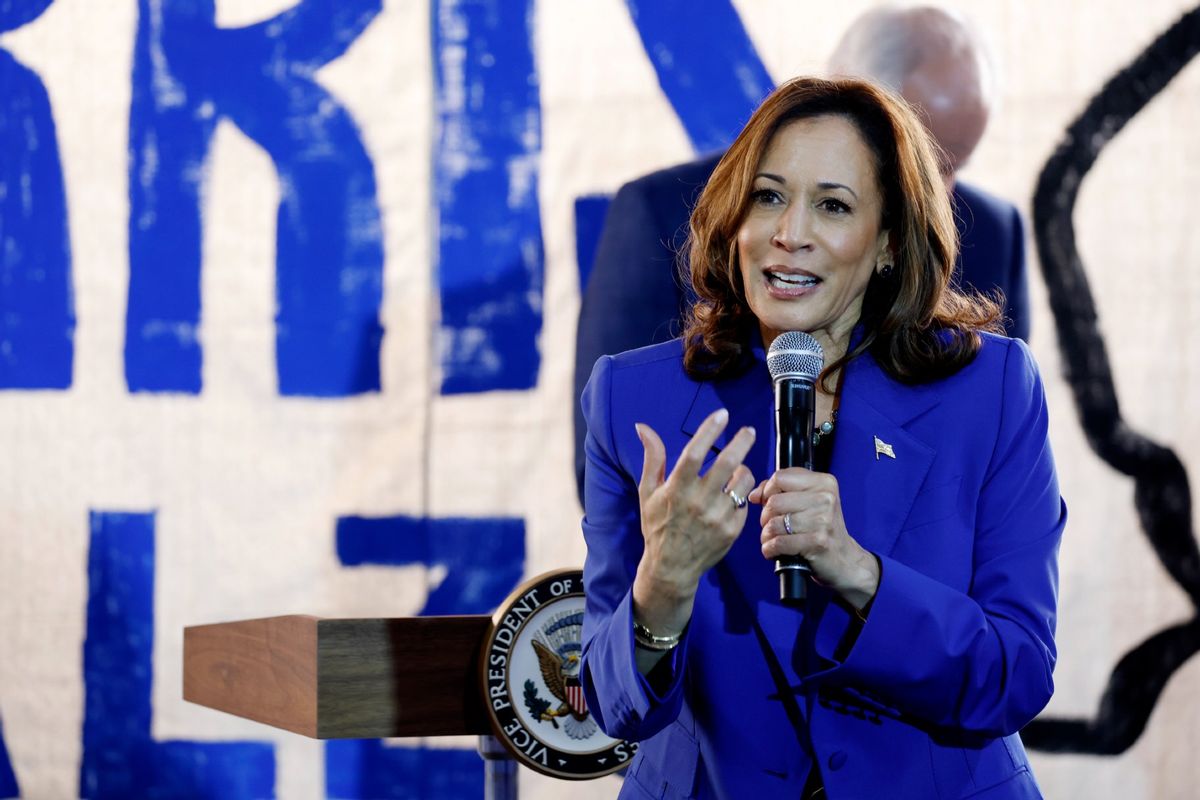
(311, 619)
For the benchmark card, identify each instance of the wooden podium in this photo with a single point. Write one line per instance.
(350, 679)
(342, 678)
(421, 676)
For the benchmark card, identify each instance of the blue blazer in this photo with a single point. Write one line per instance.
(925, 700)
(635, 295)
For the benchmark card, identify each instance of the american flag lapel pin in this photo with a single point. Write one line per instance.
(883, 448)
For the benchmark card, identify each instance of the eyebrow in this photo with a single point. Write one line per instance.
(826, 185)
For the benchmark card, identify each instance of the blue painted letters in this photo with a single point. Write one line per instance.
(706, 64)
(329, 259)
(485, 178)
(37, 311)
(8, 778)
(120, 759)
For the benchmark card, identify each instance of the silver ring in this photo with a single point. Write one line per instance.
(738, 500)
(787, 523)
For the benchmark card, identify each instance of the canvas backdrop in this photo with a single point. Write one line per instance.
(396, 344)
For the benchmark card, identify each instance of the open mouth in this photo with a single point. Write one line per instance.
(784, 280)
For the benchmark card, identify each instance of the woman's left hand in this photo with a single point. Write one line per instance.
(810, 505)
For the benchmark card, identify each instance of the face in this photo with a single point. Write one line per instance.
(812, 234)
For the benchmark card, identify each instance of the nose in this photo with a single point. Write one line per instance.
(792, 229)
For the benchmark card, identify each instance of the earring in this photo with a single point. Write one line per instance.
(886, 271)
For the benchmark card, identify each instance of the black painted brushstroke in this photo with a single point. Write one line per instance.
(1132, 691)
(1162, 496)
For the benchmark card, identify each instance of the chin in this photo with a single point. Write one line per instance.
(778, 323)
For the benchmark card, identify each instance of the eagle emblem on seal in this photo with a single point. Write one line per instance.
(559, 646)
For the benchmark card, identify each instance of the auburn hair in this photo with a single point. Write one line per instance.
(916, 324)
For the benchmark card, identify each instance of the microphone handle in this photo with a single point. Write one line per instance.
(795, 417)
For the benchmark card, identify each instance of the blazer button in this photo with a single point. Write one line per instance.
(837, 759)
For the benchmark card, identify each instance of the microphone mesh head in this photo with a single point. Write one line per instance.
(795, 354)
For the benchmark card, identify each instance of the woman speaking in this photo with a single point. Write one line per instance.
(930, 523)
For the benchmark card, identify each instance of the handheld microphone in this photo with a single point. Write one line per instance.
(795, 360)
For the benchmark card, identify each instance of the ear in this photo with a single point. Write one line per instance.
(885, 251)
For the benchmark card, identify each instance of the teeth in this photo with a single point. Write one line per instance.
(792, 280)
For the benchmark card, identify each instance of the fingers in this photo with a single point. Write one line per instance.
(727, 471)
(723, 469)
(796, 498)
(776, 541)
(739, 483)
(793, 479)
(654, 461)
(816, 504)
(794, 533)
(800, 523)
(687, 468)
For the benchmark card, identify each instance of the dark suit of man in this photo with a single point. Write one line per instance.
(636, 295)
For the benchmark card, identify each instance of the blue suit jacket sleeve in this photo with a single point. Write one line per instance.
(979, 661)
(622, 700)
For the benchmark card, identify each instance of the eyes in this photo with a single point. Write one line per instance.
(834, 206)
(768, 198)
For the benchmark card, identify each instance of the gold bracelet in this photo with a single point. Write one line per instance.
(864, 611)
(649, 641)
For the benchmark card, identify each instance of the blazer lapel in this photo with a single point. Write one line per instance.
(704, 403)
(879, 464)
(750, 402)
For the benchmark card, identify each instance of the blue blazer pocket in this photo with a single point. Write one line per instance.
(990, 772)
(666, 765)
(934, 504)
(1018, 786)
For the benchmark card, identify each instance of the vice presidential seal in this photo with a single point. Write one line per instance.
(530, 673)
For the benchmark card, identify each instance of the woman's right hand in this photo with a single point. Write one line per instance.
(689, 520)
